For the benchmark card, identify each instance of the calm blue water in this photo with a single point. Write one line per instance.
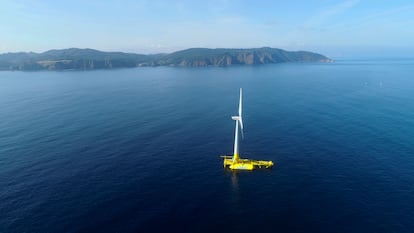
(137, 150)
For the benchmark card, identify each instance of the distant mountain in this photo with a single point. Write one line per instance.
(227, 57)
(87, 59)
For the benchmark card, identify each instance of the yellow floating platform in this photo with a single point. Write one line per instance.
(245, 164)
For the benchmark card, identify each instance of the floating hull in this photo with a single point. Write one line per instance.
(245, 164)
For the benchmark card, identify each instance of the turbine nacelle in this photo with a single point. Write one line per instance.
(236, 118)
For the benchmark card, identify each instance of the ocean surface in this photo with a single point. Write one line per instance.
(137, 150)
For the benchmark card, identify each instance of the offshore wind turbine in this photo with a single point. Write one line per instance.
(234, 162)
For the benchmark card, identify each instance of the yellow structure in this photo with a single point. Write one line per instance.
(234, 161)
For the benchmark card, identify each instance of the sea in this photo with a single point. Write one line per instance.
(138, 150)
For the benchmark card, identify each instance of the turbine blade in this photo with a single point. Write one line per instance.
(241, 122)
(241, 127)
(240, 114)
(240, 103)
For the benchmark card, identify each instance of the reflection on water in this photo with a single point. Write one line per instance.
(235, 181)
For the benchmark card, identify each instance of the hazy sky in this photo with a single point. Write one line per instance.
(332, 27)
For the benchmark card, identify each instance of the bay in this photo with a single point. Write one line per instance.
(137, 150)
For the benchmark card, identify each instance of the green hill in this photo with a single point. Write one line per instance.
(87, 59)
(227, 57)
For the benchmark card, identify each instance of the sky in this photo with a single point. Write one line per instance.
(332, 27)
